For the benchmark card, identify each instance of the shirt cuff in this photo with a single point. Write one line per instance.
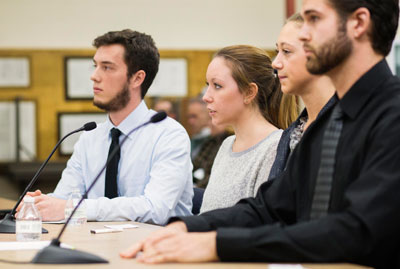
(91, 209)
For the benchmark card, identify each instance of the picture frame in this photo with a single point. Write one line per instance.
(78, 70)
(393, 59)
(18, 127)
(15, 72)
(171, 79)
(69, 121)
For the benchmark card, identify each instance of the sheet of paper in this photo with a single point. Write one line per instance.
(14, 245)
(285, 266)
(55, 222)
(121, 226)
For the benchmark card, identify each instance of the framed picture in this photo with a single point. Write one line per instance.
(393, 58)
(14, 72)
(69, 121)
(17, 131)
(171, 79)
(78, 85)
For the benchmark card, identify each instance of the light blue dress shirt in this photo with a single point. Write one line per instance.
(154, 173)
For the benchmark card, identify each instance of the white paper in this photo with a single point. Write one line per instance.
(104, 231)
(121, 226)
(27, 245)
(285, 266)
(55, 221)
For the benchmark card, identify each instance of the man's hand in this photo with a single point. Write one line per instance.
(170, 229)
(174, 244)
(50, 208)
(182, 247)
(29, 193)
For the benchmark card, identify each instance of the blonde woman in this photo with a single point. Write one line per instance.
(315, 91)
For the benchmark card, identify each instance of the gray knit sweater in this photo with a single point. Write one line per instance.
(237, 175)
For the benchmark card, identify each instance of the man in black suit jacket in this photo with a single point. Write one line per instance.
(348, 41)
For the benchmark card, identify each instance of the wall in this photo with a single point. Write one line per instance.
(174, 24)
(48, 30)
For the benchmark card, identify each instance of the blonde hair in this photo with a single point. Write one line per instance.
(296, 17)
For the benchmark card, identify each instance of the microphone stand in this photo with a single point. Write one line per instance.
(7, 224)
(54, 254)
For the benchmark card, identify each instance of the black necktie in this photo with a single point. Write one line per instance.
(111, 188)
(323, 185)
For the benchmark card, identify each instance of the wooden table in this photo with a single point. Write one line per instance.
(109, 245)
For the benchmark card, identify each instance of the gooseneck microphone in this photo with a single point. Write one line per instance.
(7, 224)
(54, 254)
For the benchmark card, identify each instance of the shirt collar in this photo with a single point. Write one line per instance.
(358, 95)
(138, 116)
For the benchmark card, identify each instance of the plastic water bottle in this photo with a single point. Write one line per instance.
(29, 221)
(79, 216)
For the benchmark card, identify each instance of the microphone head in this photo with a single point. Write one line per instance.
(158, 117)
(89, 126)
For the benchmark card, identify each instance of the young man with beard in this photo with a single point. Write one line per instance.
(338, 200)
(152, 180)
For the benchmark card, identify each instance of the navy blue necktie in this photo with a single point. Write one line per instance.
(111, 187)
(322, 193)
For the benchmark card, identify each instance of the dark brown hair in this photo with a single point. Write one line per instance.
(140, 53)
(384, 16)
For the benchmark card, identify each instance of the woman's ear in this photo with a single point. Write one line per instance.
(250, 94)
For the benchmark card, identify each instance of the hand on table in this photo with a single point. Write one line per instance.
(175, 244)
(50, 208)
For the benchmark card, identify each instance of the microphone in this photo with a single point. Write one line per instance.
(54, 254)
(158, 117)
(7, 224)
(86, 127)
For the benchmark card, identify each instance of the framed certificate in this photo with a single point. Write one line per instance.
(14, 72)
(171, 79)
(17, 131)
(69, 121)
(78, 85)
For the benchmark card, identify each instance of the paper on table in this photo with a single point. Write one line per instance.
(55, 222)
(285, 266)
(121, 226)
(27, 245)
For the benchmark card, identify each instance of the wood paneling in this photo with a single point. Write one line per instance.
(47, 88)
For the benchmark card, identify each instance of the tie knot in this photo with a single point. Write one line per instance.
(115, 133)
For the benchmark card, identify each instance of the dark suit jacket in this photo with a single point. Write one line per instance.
(363, 221)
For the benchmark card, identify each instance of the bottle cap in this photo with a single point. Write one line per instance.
(29, 199)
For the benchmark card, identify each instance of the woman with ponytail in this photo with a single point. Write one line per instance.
(244, 92)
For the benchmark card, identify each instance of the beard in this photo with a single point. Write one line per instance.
(118, 102)
(331, 53)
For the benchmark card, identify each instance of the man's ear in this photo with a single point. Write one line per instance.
(359, 22)
(137, 79)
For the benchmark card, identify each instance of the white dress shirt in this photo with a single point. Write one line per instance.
(154, 172)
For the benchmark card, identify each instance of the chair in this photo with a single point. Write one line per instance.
(197, 200)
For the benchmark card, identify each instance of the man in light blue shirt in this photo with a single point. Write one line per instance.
(153, 179)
